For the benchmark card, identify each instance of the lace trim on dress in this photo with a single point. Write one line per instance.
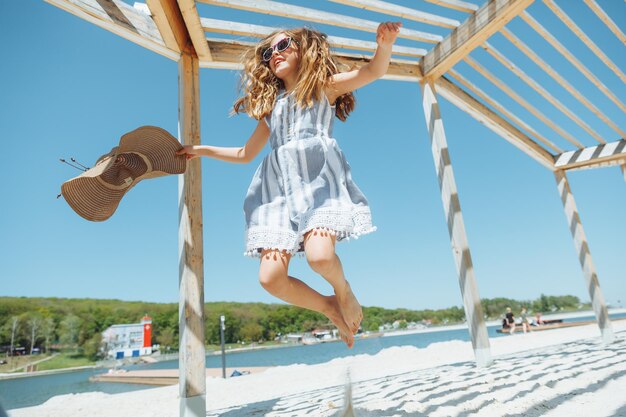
(345, 224)
(261, 238)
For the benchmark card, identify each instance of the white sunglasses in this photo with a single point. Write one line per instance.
(280, 46)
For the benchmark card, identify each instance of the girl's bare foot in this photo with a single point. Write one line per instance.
(334, 315)
(350, 308)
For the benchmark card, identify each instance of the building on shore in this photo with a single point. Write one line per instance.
(128, 340)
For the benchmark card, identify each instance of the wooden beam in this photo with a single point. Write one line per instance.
(191, 282)
(407, 13)
(456, 227)
(584, 257)
(194, 27)
(487, 20)
(593, 156)
(511, 93)
(170, 23)
(227, 55)
(539, 89)
(559, 79)
(606, 20)
(257, 31)
(312, 15)
(584, 38)
(545, 34)
(118, 17)
(486, 116)
(605, 164)
(500, 108)
(462, 6)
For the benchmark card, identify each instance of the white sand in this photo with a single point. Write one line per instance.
(565, 372)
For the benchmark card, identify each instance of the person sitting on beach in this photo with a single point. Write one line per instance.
(524, 320)
(302, 197)
(538, 319)
(510, 320)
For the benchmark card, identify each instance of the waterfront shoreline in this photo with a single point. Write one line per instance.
(498, 323)
(584, 377)
(432, 329)
(17, 375)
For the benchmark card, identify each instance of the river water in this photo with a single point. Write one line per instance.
(35, 390)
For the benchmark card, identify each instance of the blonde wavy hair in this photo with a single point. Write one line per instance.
(260, 86)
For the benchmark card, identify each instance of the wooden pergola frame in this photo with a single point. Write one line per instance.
(175, 29)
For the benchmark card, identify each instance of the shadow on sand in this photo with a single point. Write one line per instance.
(462, 389)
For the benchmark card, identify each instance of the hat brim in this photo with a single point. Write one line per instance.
(90, 199)
(157, 146)
(95, 200)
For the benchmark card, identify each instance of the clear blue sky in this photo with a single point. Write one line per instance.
(71, 89)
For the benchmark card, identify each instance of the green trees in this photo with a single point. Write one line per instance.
(168, 339)
(33, 325)
(547, 303)
(69, 329)
(495, 307)
(251, 332)
(48, 328)
(77, 324)
(91, 347)
(251, 322)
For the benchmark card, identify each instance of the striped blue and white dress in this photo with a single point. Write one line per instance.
(304, 182)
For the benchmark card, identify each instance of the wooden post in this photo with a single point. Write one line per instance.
(192, 374)
(623, 167)
(584, 256)
(456, 227)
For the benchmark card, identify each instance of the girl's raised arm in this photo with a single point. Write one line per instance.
(344, 82)
(241, 155)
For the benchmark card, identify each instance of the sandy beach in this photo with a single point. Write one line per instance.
(565, 372)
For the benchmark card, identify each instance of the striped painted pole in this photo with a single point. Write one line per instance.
(604, 154)
(456, 228)
(584, 256)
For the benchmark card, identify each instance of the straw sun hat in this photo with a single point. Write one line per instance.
(146, 152)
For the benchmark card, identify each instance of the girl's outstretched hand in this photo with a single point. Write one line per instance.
(387, 33)
(190, 151)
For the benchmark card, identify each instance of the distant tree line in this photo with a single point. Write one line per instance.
(77, 324)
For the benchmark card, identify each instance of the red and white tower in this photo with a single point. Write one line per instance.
(146, 321)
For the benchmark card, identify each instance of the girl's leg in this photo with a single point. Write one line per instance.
(319, 246)
(274, 277)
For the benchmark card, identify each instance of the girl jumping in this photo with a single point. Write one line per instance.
(302, 197)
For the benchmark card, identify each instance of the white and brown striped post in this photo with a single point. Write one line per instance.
(584, 256)
(456, 227)
(192, 374)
